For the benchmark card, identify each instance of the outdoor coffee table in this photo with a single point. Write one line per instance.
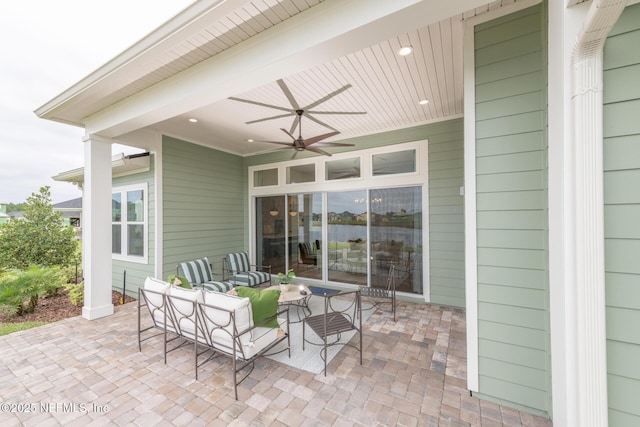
(293, 298)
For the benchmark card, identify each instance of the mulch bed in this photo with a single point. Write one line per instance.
(52, 309)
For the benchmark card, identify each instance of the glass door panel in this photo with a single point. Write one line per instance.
(347, 234)
(270, 232)
(396, 237)
(305, 233)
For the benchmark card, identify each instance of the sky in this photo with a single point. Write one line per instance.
(46, 47)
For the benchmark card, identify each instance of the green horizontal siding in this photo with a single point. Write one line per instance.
(204, 204)
(513, 354)
(511, 211)
(621, 216)
(446, 215)
(506, 144)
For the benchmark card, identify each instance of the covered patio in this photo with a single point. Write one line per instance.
(81, 372)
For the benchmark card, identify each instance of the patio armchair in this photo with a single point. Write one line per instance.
(198, 273)
(382, 295)
(237, 269)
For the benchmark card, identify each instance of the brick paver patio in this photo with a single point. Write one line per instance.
(78, 372)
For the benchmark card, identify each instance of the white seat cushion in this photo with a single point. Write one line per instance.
(260, 338)
(218, 320)
(155, 301)
(183, 308)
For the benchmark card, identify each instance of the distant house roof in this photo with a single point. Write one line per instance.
(70, 208)
(69, 204)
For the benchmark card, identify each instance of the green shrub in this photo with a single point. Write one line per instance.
(21, 289)
(76, 293)
(69, 273)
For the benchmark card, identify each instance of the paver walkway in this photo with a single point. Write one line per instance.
(78, 372)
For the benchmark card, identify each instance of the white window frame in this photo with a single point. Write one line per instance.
(124, 229)
(366, 181)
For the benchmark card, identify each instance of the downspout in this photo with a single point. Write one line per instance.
(588, 229)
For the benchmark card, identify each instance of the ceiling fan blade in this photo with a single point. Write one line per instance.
(319, 151)
(262, 104)
(334, 144)
(321, 123)
(327, 97)
(295, 124)
(288, 144)
(337, 112)
(295, 153)
(308, 142)
(288, 133)
(270, 118)
(288, 94)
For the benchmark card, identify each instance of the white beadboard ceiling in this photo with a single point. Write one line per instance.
(388, 87)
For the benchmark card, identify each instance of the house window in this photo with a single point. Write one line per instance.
(342, 169)
(394, 163)
(301, 173)
(129, 223)
(263, 178)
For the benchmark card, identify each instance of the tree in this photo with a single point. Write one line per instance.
(15, 207)
(39, 238)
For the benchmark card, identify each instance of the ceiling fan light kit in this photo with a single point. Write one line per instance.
(300, 143)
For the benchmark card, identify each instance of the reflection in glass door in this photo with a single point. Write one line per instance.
(396, 237)
(347, 237)
(305, 234)
(270, 232)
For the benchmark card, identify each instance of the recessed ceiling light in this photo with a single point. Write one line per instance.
(424, 101)
(192, 120)
(405, 50)
(250, 140)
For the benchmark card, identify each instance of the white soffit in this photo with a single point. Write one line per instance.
(385, 85)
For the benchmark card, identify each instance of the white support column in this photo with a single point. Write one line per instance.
(564, 27)
(97, 229)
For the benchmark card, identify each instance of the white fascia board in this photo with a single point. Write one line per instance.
(121, 165)
(193, 18)
(325, 32)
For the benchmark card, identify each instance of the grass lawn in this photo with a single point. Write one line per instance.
(7, 328)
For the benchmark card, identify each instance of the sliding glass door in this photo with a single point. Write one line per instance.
(305, 231)
(270, 232)
(347, 237)
(396, 237)
(368, 231)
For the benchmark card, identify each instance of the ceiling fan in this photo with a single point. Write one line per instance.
(299, 143)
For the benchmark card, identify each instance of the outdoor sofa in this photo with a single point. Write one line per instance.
(215, 323)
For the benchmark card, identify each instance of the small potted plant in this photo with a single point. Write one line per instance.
(284, 279)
